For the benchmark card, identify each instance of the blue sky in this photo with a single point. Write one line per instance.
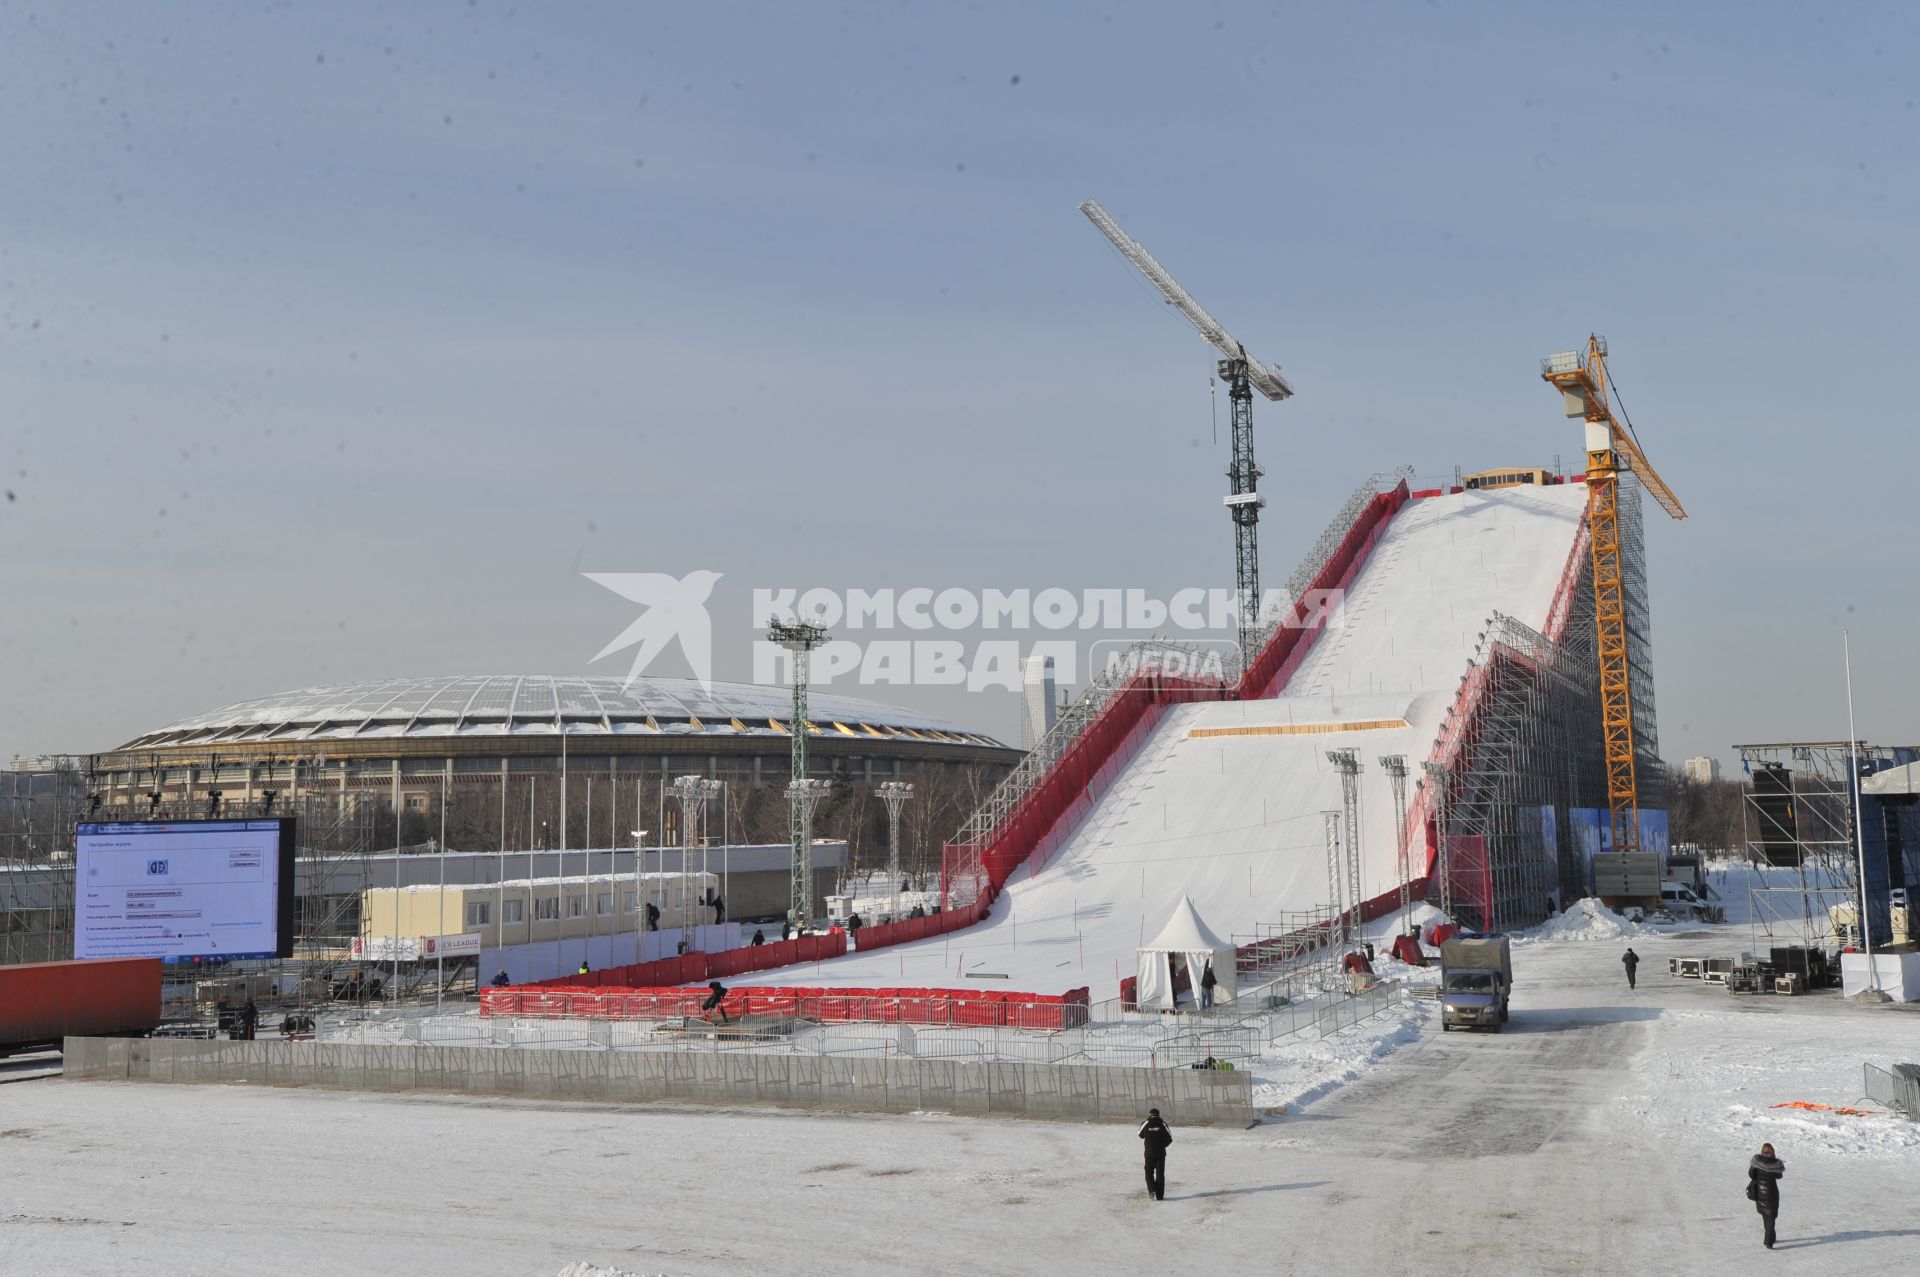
(336, 342)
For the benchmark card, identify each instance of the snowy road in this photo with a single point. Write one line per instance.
(1605, 1131)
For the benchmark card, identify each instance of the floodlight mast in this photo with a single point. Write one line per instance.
(803, 794)
(894, 793)
(1243, 374)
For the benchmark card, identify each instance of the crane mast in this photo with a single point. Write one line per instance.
(1581, 379)
(1243, 375)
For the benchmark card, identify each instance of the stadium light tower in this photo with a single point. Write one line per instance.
(1336, 916)
(1395, 766)
(1243, 374)
(1347, 763)
(894, 793)
(803, 793)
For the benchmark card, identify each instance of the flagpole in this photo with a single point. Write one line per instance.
(1859, 833)
(439, 957)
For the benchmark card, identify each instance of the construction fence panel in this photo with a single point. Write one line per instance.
(892, 1084)
(1898, 1090)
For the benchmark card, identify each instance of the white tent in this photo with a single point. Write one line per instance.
(1184, 942)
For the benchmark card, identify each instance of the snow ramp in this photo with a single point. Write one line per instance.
(1176, 785)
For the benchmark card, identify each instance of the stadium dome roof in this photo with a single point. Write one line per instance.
(469, 706)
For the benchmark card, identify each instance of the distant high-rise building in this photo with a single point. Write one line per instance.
(1038, 698)
(1701, 770)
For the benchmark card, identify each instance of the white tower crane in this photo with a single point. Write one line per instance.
(1243, 374)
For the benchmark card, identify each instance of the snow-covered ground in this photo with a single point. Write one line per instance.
(1605, 1131)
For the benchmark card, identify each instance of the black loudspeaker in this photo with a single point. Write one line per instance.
(1773, 804)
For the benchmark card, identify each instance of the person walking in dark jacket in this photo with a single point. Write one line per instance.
(1763, 1187)
(1155, 1136)
(1207, 984)
(714, 1000)
(1631, 961)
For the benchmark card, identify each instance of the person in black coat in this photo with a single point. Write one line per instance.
(714, 999)
(1631, 961)
(1763, 1189)
(1208, 982)
(1155, 1137)
(501, 981)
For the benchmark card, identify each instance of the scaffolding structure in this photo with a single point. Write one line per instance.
(1305, 946)
(1523, 747)
(1802, 817)
(39, 805)
(1532, 752)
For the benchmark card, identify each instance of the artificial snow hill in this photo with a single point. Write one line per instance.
(1222, 801)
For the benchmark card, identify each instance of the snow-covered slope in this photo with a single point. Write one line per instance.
(1222, 801)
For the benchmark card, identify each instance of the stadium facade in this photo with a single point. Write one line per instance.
(497, 755)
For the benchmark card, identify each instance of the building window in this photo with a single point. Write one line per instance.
(416, 802)
(547, 909)
(513, 911)
(479, 913)
(603, 903)
(577, 906)
(628, 901)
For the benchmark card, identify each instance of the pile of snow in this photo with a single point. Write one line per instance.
(1588, 919)
(1297, 1071)
(583, 1269)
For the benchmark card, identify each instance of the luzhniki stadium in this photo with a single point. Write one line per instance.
(501, 744)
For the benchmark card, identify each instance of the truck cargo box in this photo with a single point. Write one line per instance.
(42, 1002)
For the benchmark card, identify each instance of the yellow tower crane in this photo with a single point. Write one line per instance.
(1581, 379)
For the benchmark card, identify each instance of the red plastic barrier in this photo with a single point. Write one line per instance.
(975, 1007)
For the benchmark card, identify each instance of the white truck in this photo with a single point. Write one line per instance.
(1476, 982)
(1681, 900)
